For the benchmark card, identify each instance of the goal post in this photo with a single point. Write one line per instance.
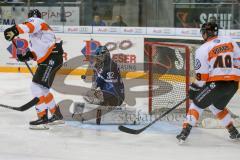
(169, 70)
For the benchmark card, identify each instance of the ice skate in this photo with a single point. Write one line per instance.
(39, 124)
(234, 134)
(184, 134)
(56, 118)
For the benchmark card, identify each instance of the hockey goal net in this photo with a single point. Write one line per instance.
(169, 70)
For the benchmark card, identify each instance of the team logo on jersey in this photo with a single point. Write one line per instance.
(197, 64)
(51, 62)
(212, 85)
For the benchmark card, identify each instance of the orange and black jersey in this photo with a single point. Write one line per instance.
(218, 60)
(42, 38)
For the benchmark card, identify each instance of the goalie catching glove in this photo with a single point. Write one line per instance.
(94, 96)
(10, 33)
(194, 90)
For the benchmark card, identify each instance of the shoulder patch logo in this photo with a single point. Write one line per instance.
(197, 64)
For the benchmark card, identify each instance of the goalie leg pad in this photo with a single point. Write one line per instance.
(94, 114)
(111, 100)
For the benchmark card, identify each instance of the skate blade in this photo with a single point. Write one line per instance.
(236, 140)
(57, 122)
(39, 127)
(181, 142)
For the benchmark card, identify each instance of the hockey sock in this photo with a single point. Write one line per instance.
(50, 102)
(193, 115)
(222, 115)
(41, 107)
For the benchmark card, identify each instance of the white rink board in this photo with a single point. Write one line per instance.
(74, 43)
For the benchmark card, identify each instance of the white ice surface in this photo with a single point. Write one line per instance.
(75, 141)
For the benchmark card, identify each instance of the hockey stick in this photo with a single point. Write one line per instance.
(137, 131)
(24, 107)
(30, 70)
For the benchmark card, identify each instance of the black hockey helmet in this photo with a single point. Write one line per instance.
(34, 13)
(210, 28)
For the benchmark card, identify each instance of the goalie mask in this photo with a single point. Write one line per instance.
(100, 55)
(208, 30)
(34, 13)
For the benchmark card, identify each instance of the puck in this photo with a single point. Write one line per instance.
(83, 76)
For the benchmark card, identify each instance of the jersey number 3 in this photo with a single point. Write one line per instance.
(110, 75)
(223, 62)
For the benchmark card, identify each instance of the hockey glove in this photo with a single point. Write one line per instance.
(59, 48)
(28, 56)
(10, 33)
(194, 90)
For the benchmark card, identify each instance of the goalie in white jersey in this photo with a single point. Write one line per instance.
(217, 76)
(48, 54)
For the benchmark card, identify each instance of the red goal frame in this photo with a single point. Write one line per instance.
(150, 80)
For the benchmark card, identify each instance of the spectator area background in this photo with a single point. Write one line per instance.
(135, 13)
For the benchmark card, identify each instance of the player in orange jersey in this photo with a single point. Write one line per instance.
(48, 53)
(217, 75)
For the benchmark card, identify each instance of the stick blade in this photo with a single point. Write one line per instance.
(28, 105)
(24, 107)
(129, 130)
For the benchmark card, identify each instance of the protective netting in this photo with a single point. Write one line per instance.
(169, 75)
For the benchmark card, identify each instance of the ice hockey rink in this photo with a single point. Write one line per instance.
(76, 141)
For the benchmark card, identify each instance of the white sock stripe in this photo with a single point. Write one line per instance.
(51, 104)
(191, 120)
(226, 120)
(41, 107)
(214, 110)
(45, 92)
(36, 90)
(193, 106)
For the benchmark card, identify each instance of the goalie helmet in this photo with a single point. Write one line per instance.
(210, 28)
(100, 55)
(34, 13)
(102, 50)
